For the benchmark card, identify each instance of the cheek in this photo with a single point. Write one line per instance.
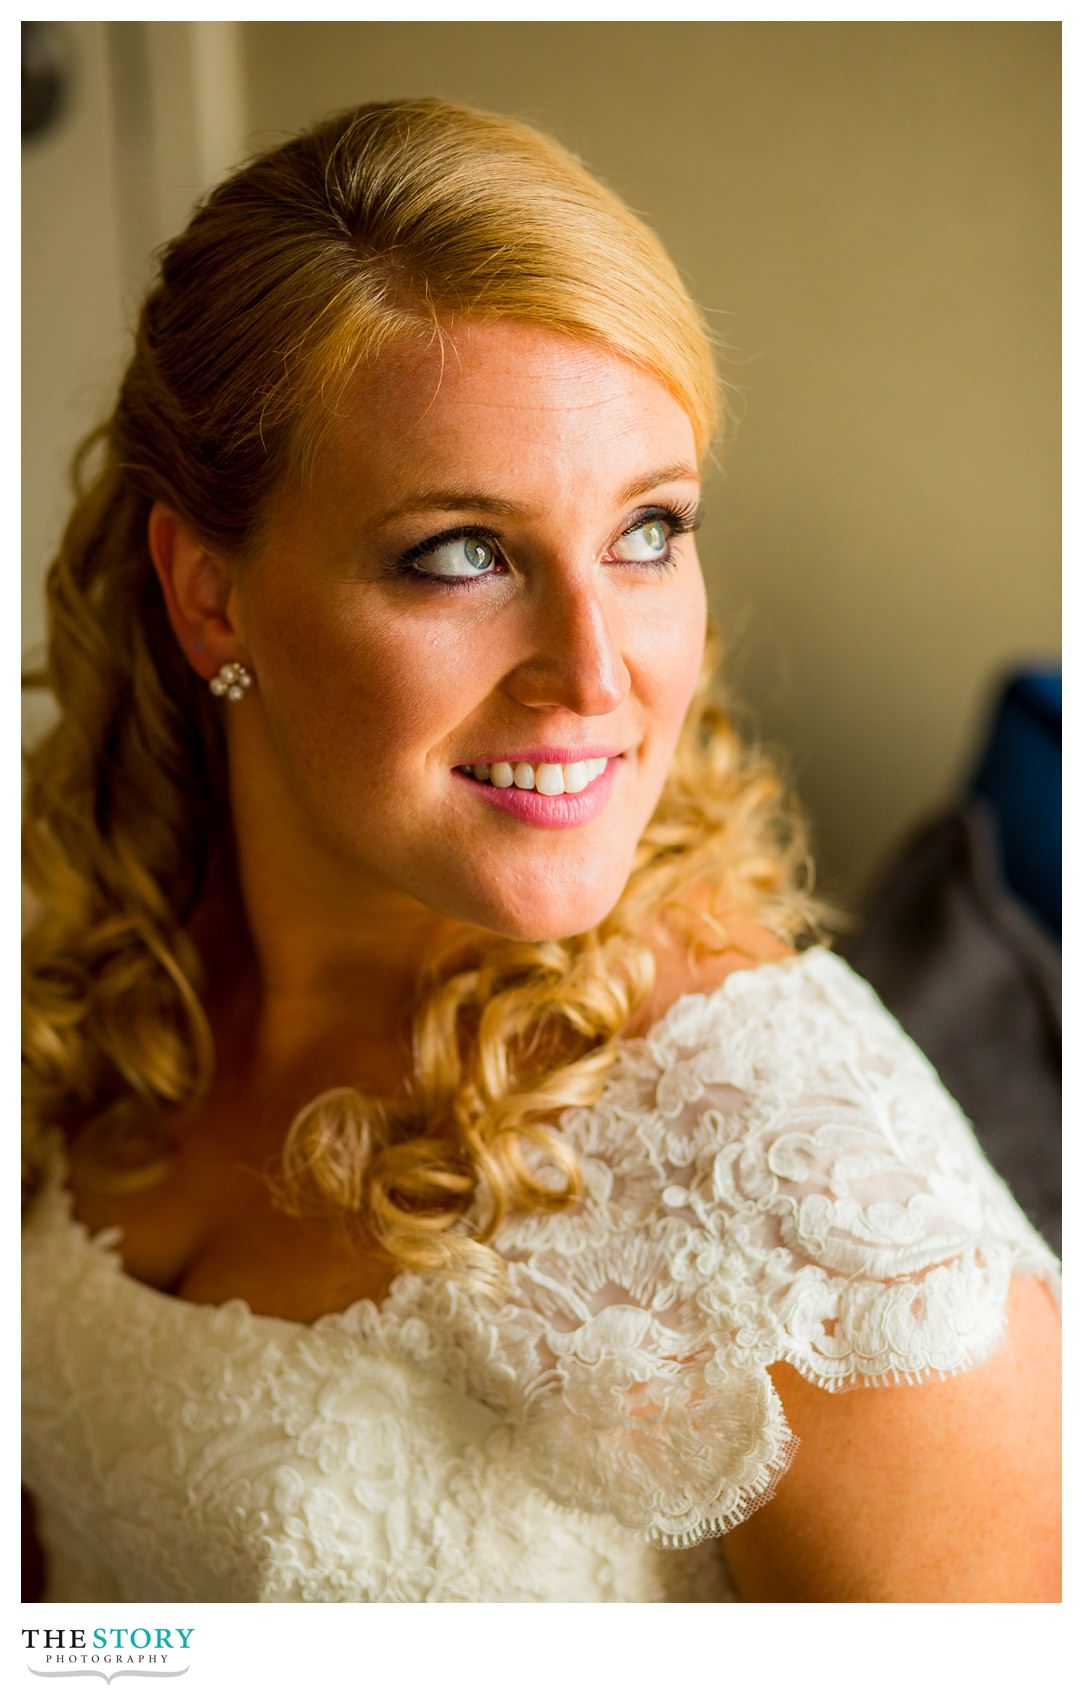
(671, 652)
(361, 680)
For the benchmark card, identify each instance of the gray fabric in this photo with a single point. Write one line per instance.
(975, 981)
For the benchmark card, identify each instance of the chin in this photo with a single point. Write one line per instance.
(533, 914)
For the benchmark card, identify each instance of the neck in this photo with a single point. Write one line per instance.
(305, 993)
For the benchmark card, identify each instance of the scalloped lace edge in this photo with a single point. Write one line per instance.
(754, 1496)
(765, 1483)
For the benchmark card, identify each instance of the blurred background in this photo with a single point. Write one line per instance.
(869, 214)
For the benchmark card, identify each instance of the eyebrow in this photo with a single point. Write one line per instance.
(454, 500)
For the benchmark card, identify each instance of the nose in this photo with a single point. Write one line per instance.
(575, 658)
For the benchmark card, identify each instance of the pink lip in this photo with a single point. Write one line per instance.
(550, 753)
(530, 806)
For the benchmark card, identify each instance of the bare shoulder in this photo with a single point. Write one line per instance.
(680, 970)
(944, 1492)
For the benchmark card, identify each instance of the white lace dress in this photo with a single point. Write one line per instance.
(774, 1173)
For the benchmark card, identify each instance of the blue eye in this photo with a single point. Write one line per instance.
(467, 555)
(648, 542)
(461, 555)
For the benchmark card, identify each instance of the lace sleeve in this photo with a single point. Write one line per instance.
(776, 1174)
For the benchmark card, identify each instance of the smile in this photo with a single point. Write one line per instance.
(515, 789)
(550, 779)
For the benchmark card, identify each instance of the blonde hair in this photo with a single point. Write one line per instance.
(295, 271)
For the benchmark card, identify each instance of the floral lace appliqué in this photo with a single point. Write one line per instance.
(773, 1174)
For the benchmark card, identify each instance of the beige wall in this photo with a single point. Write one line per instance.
(870, 213)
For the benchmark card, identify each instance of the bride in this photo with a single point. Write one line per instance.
(458, 1170)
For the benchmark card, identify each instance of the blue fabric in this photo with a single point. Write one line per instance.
(1019, 776)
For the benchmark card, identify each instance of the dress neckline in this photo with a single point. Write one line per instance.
(364, 1315)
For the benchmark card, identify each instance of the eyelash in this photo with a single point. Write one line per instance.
(680, 518)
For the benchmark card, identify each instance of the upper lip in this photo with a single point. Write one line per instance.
(548, 753)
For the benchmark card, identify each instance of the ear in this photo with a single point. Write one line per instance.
(197, 587)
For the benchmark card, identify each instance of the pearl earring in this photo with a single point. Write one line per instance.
(231, 681)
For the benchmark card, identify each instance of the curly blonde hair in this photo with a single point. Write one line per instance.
(295, 271)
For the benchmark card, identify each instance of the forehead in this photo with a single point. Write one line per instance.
(501, 401)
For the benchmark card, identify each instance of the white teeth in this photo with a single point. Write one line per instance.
(548, 778)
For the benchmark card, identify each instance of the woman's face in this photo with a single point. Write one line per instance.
(487, 569)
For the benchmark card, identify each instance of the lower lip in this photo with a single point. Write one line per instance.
(571, 809)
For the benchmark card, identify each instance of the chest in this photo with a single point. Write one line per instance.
(215, 1455)
(207, 1228)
